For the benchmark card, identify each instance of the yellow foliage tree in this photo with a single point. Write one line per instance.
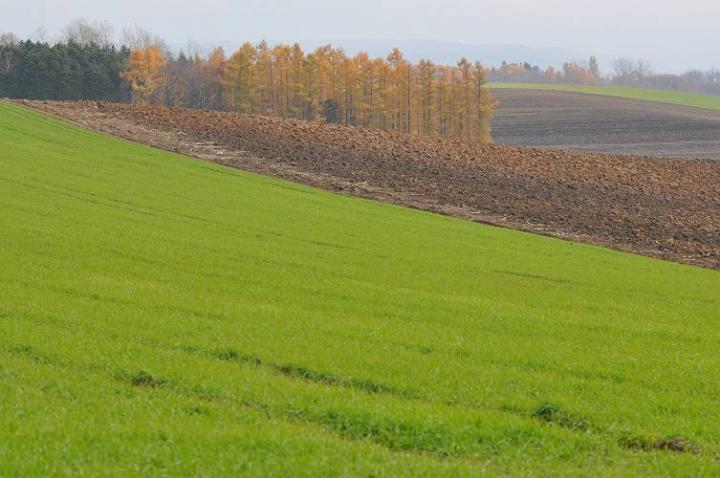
(240, 79)
(145, 73)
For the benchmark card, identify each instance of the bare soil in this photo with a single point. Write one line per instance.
(664, 208)
(564, 120)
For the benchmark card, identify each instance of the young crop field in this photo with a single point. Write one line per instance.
(697, 100)
(161, 315)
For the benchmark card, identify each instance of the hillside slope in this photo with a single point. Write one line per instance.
(163, 315)
(627, 202)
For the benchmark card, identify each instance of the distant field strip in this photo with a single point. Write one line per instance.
(161, 315)
(609, 124)
(711, 102)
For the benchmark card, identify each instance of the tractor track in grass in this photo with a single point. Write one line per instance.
(664, 208)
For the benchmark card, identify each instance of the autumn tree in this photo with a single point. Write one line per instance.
(145, 73)
(350, 92)
(380, 98)
(426, 88)
(466, 91)
(297, 97)
(265, 78)
(216, 65)
(400, 88)
(240, 79)
(578, 73)
(484, 105)
(311, 86)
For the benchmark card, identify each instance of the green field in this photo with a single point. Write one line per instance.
(161, 315)
(711, 102)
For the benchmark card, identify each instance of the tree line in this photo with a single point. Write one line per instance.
(64, 71)
(326, 84)
(389, 93)
(573, 72)
(625, 72)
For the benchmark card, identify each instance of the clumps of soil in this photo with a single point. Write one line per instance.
(666, 208)
(145, 379)
(555, 415)
(651, 443)
(300, 372)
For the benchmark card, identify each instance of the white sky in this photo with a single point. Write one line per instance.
(672, 34)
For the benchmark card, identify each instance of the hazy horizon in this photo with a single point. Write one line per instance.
(673, 37)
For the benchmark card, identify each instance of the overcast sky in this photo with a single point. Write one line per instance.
(672, 34)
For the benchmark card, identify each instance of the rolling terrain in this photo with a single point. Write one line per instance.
(595, 122)
(630, 203)
(167, 316)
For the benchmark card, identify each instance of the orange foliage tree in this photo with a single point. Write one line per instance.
(578, 73)
(145, 73)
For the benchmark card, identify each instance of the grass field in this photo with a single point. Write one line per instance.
(164, 316)
(711, 102)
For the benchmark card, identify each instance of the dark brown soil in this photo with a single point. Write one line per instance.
(563, 120)
(663, 208)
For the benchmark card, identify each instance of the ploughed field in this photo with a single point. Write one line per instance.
(163, 316)
(665, 208)
(589, 122)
